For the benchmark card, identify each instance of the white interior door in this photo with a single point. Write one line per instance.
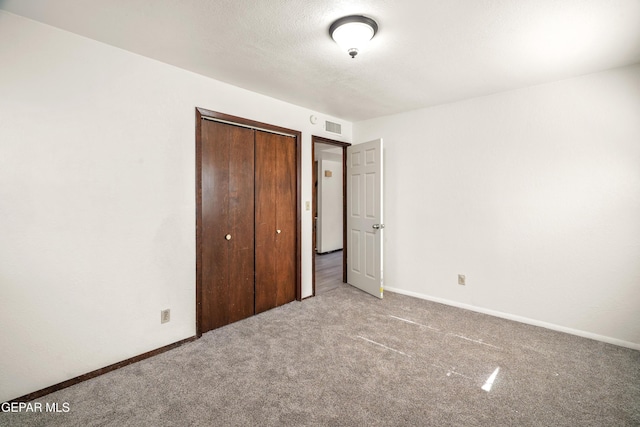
(364, 217)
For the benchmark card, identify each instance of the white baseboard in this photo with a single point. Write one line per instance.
(521, 319)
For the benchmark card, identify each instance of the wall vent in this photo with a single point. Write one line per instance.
(333, 127)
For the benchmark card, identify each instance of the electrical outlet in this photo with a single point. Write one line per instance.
(462, 280)
(165, 316)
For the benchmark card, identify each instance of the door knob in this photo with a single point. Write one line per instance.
(377, 226)
(278, 231)
(228, 237)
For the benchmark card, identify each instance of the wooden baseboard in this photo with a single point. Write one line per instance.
(328, 252)
(101, 371)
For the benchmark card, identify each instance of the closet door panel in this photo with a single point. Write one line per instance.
(227, 293)
(241, 224)
(215, 203)
(275, 220)
(265, 219)
(285, 248)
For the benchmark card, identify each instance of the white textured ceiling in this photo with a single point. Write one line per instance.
(427, 52)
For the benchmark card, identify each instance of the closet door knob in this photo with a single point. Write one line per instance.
(278, 231)
(228, 237)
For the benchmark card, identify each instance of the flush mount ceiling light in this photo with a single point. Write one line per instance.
(353, 32)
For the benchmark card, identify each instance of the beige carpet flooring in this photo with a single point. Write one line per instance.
(345, 358)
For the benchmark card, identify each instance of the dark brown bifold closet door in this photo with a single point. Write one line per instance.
(227, 224)
(275, 220)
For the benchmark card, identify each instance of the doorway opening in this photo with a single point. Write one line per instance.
(329, 210)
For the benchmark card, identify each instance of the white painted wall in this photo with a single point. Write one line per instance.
(330, 216)
(534, 194)
(97, 200)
